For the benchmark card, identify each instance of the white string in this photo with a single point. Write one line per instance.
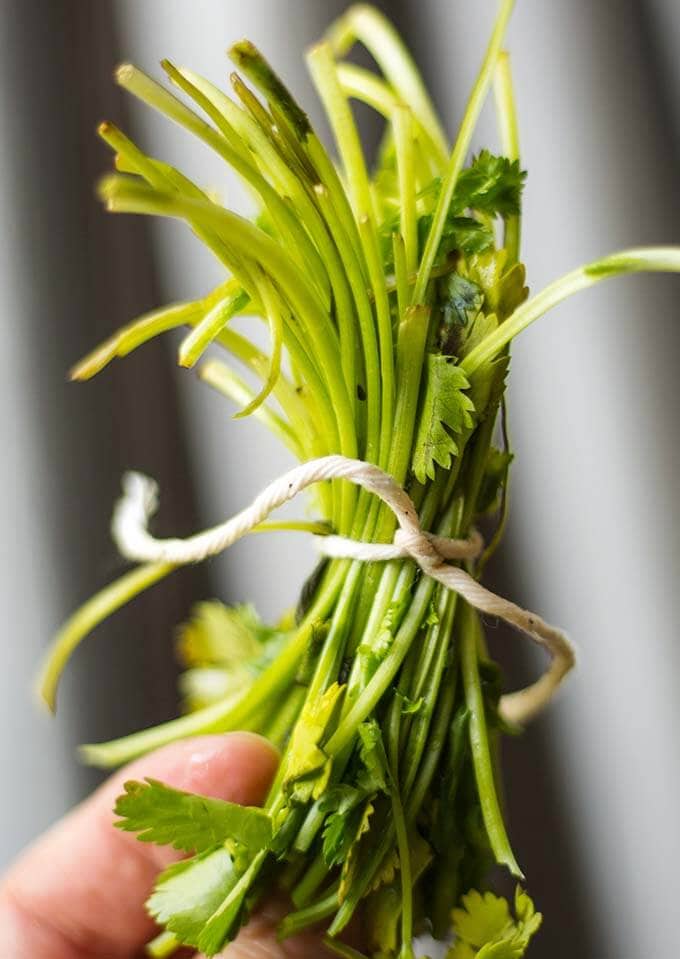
(140, 501)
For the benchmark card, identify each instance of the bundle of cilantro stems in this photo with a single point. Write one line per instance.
(391, 298)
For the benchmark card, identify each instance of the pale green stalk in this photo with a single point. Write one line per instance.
(299, 245)
(90, 614)
(194, 345)
(365, 24)
(506, 110)
(403, 127)
(370, 89)
(223, 717)
(272, 307)
(221, 378)
(469, 638)
(136, 333)
(462, 145)
(658, 259)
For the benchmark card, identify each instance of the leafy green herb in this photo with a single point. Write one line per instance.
(446, 412)
(391, 298)
(218, 634)
(200, 900)
(491, 185)
(485, 929)
(192, 823)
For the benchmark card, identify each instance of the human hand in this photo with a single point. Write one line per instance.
(79, 891)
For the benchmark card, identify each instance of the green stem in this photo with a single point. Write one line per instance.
(369, 26)
(221, 717)
(660, 259)
(506, 110)
(479, 743)
(295, 922)
(462, 145)
(91, 614)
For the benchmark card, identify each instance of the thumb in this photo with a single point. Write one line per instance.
(79, 891)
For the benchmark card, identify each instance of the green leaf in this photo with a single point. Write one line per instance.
(219, 634)
(376, 776)
(491, 184)
(343, 807)
(352, 863)
(445, 410)
(192, 823)
(485, 929)
(482, 917)
(374, 648)
(503, 290)
(482, 326)
(487, 385)
(189, 893)
(225, 922)
(461, 233)
(308, 767)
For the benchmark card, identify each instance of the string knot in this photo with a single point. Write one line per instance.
(419, 546)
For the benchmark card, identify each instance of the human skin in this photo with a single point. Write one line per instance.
(78, 891)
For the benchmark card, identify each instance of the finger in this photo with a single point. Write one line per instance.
(78, 893)
(258, 939)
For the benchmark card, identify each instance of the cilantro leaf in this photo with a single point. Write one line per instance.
(462, 233)
(189, 893)
(445, 410)
(376, 774)
(340, 827)
(219, 634)
(308, 768)
(192, 823)
(352, 862)
(503, 289)
(491, 184)
(485, 929)
(373, 650)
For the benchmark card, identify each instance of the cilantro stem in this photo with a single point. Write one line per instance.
(299, 245)
(479, 742)
(370, 89)
(342, 949)
(385, 672)
(406, 875)
(221, 378)
(90, 614)
(221, 717)
(420, 728)
(195, 344)
(400, 274)
(403, 128)
(462, 145)
(366, 24)
(660, 259)
(140, 331)
(506, 110)
(163, 945)
(295, 922)
(324, 74)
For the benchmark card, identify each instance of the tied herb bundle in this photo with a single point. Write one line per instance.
(391, 298)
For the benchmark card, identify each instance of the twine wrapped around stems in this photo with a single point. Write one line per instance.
(433, 554)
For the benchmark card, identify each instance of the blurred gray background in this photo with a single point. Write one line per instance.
(593, 787)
